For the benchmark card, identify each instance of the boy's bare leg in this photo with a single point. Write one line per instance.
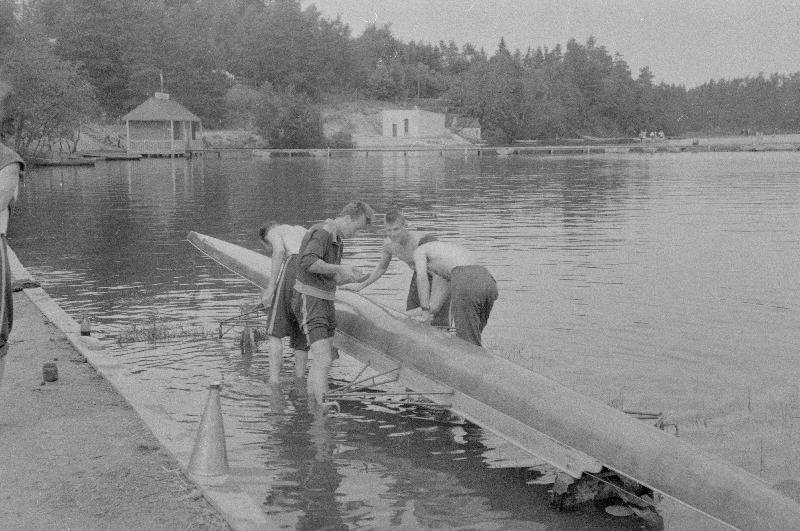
(320, 365)
(275, 359)
(300, 363)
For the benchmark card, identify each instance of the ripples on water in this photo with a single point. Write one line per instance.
(624, 275)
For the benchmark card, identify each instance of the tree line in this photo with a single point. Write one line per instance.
(268, 64)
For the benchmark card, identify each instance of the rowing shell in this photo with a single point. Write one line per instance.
(572, 432)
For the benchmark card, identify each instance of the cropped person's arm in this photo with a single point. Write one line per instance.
(278, 256)
(9, 186)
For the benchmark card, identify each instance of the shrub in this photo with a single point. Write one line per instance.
(341, 140)
(49, 99)
(289, 121)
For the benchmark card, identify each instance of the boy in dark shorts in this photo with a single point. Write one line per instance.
(319, 272)
(473, 290)
(282, 243)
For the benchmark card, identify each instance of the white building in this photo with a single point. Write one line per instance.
(469, 128)
(414, 123)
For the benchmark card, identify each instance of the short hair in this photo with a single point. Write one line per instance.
(394, 215)
(356, 209)
(265, 228)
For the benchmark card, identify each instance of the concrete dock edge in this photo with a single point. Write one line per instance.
(239, 509)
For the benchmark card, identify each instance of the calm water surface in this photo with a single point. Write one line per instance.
(618, 275)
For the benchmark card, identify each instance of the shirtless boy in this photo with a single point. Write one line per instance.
(473, 290)
(318, 273)
(282, 243)
(401, 243)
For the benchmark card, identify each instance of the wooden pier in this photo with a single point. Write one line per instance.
(492, 151)
(440, 150)
(90, 158)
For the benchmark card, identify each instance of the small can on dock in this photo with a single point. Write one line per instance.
(50, 371)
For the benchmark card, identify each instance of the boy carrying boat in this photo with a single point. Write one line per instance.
(401, 243)
(318, 273)
(282, 243)
(472, 288)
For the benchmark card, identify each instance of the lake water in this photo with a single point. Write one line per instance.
(664, 282)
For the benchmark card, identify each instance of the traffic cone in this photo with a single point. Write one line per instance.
(209, 459)
(86, 326)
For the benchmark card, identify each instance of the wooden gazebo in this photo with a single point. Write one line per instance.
(161, 126)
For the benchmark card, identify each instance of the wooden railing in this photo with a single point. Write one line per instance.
(151, 146)
(157, 147)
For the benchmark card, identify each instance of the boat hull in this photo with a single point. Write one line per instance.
(566, 429)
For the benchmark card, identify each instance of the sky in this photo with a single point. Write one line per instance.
(684, 42)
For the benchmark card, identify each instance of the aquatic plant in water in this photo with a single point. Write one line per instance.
(155, 332)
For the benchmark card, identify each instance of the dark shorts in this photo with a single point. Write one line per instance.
(281, 321)
(473, 292)
(6, 295)
(317, 317)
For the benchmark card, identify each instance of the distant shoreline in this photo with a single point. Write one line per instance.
(367, 144)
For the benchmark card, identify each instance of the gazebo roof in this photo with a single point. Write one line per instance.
(157, 109)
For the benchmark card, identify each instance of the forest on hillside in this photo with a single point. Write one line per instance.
(269, 64)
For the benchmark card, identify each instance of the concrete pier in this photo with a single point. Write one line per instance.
(84, 451)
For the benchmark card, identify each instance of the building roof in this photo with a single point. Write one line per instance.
(157, 109)
(405, 111)
(468, 123)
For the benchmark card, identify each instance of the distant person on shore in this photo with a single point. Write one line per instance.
(282, 243)
(473, 290)
(11, 168)
(401, 243)
(319, 272)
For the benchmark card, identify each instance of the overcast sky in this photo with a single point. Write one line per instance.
(685, 42)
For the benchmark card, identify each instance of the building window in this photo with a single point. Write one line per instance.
(405, 126)
(394, 129)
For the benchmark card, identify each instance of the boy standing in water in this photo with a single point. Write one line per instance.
(282, 243)
(11, 166)
(318, 273)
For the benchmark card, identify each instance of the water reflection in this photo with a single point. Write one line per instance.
(666, 283)
(306, 448)
(377, 468)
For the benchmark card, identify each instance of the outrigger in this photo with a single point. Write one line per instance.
(587, 441)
